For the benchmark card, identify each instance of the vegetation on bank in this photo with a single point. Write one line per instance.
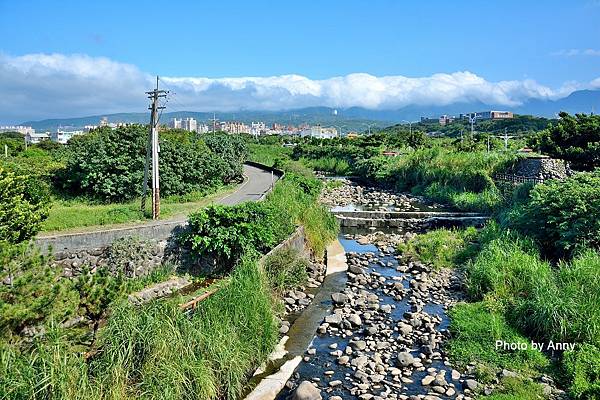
(531, 277)
(155, 350)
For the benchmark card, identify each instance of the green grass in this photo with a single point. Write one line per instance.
(286, 269)
(155, 351)
(268, 154)
(77, 213)
(333, 165)
(517, 389)
(442, 248)
(583, 369)
(475, 328)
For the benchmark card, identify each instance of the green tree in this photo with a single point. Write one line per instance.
(573, 138)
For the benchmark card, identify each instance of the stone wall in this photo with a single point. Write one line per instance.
(542, 168)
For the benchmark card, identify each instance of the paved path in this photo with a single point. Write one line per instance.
(257, 184)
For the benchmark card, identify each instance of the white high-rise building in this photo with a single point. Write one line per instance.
(189, 124)
(23, 130)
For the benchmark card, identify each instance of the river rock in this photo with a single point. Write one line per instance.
(307, 391)
(405, 359)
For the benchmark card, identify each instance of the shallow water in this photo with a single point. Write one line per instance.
(322, 361)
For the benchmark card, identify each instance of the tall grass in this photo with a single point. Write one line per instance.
(336, 166)
(156, 351)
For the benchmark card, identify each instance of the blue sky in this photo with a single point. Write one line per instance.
(552, 43)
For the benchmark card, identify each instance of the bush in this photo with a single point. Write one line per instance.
(227, 232)
(24, 204)
(32, 292)
(583, 370)
(108, 164)
(561, 215)
(573, 138)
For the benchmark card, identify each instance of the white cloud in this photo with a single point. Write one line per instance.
(37, 86)
(577, 52)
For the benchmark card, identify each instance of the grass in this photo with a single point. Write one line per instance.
(155, 351)
(333, 165)
(286, 269)
(77, 213)
(268, 154)
(442, 248)
(475, 328)
(515, 388)
(583, 369)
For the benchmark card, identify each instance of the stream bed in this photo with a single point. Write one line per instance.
(384, 336)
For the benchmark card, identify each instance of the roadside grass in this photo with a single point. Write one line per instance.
(79, 213)
(475, 327)
(442, 248)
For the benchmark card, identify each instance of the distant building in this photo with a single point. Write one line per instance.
(352, 135)
(234, 127)
(445, 119)
(429, 120)
(485, 115)
(188, 124)
(35, 138)
(63, 137)
(176, 123)
(319, 132)
(23, 130)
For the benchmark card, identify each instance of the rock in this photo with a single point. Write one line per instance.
(354, 320)
(284, 329)
(356, 270)
(455, 375)
(339, 298)
(386, 308)
(470, 384)
(306, 391)
(335, 383)
(405, 359)
(427, 380)
(334, 319)
(359, 345)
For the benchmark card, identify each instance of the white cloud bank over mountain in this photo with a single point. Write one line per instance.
(36, 86)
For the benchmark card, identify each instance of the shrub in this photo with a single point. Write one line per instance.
(583, 370)
(32, 292)
(24, 204)
(517, 388)
(561, 215)
(573, 138)
(227, 232)
(108, 164)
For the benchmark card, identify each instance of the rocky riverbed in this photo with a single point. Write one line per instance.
(349, 195)
(384, 338)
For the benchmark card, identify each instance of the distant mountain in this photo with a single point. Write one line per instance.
(354, 118)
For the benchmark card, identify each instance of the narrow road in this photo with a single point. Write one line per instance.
(258, 182)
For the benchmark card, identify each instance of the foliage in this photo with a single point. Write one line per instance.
(24, 204)
(443, 248)
(155, 351)
(329, 164)
(583, 370)
(227, 232)
(32, 291)
(108, 164)
(476, 327)
(125, 252)
(286, 269)
(561, 215)
(573, 138)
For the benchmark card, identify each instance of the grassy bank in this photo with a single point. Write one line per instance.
(69, 214)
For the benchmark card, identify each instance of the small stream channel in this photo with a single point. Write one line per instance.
(323, 361)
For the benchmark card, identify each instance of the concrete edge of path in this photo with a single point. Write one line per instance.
(270, 386)
(336, 258)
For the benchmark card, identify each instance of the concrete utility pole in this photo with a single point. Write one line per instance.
(505, 139)
(152, 151)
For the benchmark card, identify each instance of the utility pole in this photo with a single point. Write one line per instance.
(152, 150)
(505, 139)
(214, 120)
(472, 121)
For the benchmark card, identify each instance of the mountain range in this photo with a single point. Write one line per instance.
(354, 118)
